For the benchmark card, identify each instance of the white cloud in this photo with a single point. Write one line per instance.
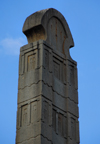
(12, 46)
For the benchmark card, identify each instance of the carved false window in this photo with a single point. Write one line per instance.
(30, 59)
(47, 59)
(60, 124)
(46, 112)
(54, 119)
(73, 128)
(33, 111)
(72, 75)
(31, 62)
(24, 115)
(58, 68)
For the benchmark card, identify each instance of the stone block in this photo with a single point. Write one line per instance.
(72, 74)
(46, 131)
(77, 132)
(34, 90)
(72, 94)
(58, 87)
(29, 78)
(57, 68)
(72, 107)
(21, 64)
(45, 140)
(47, 77)
(46, 58)
(36, 140)
(73, 132)
(57, 139)
(59, 122)
(31, 57)
(27, 110)
(47, 91)
(27, 132)
(46, 111)
(30, 92)
(31, 60)
(34, 76)
(59, 101)
(28, 47)
(70, 141)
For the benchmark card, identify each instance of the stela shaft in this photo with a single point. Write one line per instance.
(47, 107)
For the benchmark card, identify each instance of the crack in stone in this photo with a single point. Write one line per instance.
(50, 87)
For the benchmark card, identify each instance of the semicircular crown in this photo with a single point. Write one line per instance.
(51, 26)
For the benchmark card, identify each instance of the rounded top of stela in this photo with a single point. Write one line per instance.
(49, 25)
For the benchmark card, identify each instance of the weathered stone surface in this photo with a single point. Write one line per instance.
(32, 77)
(58, 87)
(73, 128)
(46, 131)
(29, 92)
(27, 132)
(70, 141)
(77, 132)
(39, 139)
(41, 25)
(46, 111)
(72, 94)
(47, 89)
(59, 101)
(27, 110)
(58, 139)
(72, 107)
(36, 140)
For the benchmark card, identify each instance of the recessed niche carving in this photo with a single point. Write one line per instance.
(31, 62)
(73, 128)
(56, 34)
(47, 59)
(54, 119)
(46, 112)
(60, 124)
(24, 115)
(56, 68)
(33, 111)
(72, 75)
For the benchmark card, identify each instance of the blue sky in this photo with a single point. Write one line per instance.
(83, 18)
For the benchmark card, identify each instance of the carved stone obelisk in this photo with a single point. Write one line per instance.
(47, 110)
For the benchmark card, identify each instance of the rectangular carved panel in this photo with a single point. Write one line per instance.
(46, 112)
(24, 115)
(56, 68)
(77, 132)
(65, 127)
(72, 77)
(73, 128)
(47, 59)
(34, 111)
(31, 62)
(54, 119)
(18, 118)
(60, 124)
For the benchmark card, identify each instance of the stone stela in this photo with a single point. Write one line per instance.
(47, 108)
